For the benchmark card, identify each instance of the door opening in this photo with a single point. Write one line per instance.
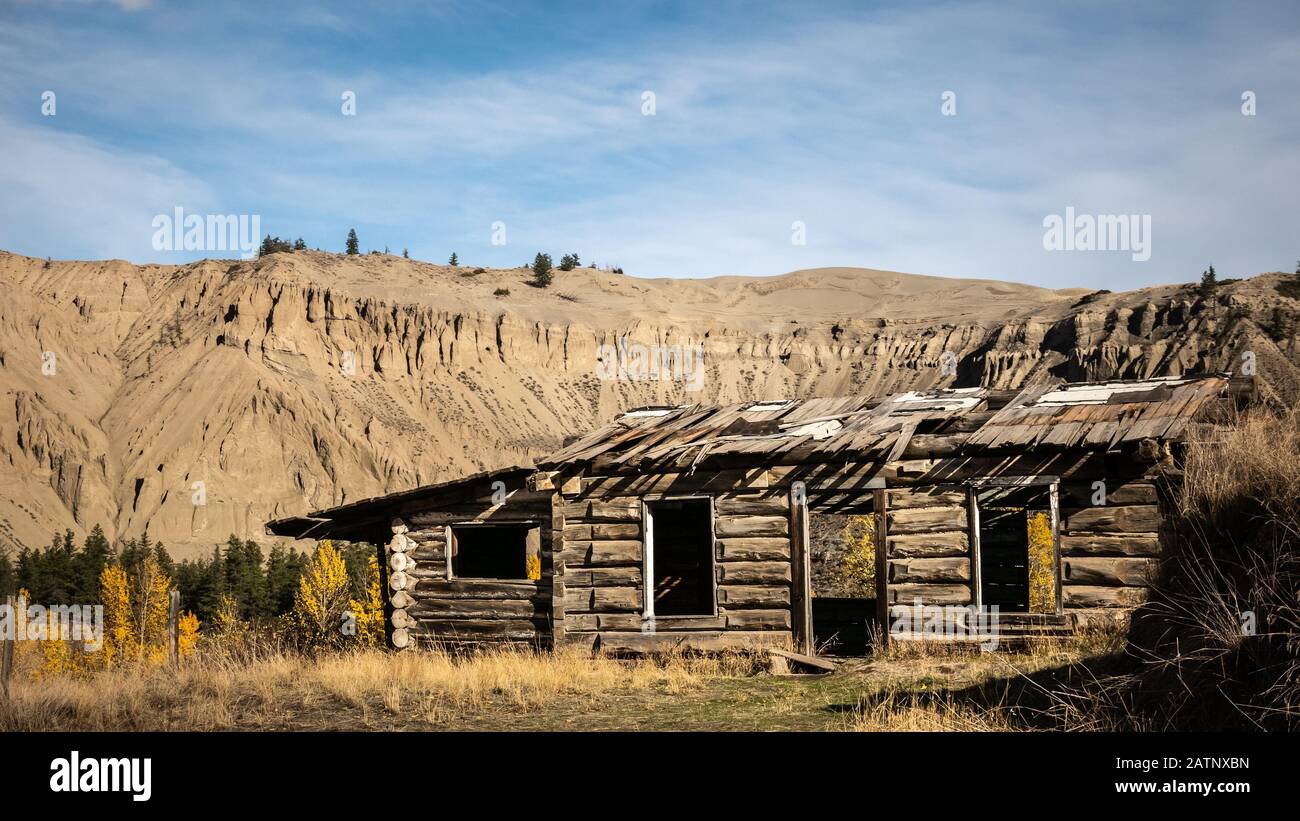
(680, 557)
(843, 548)
(1017, 548)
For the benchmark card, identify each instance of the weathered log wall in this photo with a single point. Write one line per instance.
(428, 607)
(599, 571)
(1109, 537)
(927, 547)
(1110, 551)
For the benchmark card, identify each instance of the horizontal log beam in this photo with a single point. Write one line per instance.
(618, 621)
(754, 549)
(749, 526)
(1108, 571)
(663, 624)
(602, 510)
(482, 589)
(478, 609)
(926, 520)
(603, 576)
(593, 532)
(909, 498)
(601, 599)
(752, 504)
(929, 571)
(929, 593)
(576, 554)
(754, 573)
(432, 535)
(748, 596)
(928, 545)
(1104, 545)
(517, 629)
(705, 641)
(1082, 494)
(1113, 519)
(757, 619)
(1076, 595)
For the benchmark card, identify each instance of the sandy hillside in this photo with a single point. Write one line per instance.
(303, 380)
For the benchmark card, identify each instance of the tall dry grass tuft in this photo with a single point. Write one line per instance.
(903, 709)
(1219, 643)
(1035, 683)
(270, 688)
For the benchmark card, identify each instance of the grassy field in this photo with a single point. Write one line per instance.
(908, 688)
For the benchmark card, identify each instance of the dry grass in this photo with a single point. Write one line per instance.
(930, 686)
(1255, 461)
(280, 690)
(900, 709)
(914, 688)
(1220, 641)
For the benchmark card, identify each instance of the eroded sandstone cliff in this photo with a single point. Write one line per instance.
(202, 400)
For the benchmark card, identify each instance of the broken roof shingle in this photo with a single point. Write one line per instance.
(1052, 415)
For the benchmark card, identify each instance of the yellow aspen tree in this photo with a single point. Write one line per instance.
(119, 630)
(150, 607)
(59, 657)
(858, 565)
(227, 630)
(20, 647)
(369, 612)
(188, 638)
(226, 619)
(1042, 556)
(321, 600)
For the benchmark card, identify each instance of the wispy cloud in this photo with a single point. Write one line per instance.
(71, 197)
(831, 118)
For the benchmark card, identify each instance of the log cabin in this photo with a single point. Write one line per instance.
(987, 514)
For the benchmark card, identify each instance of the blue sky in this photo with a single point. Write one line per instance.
(765, 114)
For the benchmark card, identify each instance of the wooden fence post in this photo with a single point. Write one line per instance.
(174, 627)
(7, 655)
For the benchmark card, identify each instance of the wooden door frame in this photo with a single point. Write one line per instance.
(647, 553)
(801, 620)
(1053, 484)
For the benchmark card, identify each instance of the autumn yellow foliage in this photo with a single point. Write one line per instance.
(135, 616)
(149, 606)
(61, 658)
(188, 638)
(857, 571)
(323, 600)
(119, 633)
(369, 612)
(1042, 557)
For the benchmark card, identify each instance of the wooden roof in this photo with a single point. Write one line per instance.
(1051, 415)
(351, 520)
(1097, 415)
(781, 432)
